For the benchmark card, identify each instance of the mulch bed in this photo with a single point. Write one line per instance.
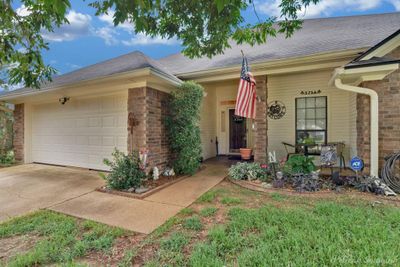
(255, 186)
(153, 186)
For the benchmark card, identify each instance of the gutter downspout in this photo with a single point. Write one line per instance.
(374, 120)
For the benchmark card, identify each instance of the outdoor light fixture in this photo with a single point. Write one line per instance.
(63, 100)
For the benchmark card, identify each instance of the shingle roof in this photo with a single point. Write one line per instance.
(128, 62)
(317, 36)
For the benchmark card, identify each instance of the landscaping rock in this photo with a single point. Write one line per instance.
(131, 190)
(266, 185)
(141, 190)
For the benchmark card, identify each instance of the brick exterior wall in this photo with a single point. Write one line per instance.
(150, 107)
(261, 122)
(18, 128)
(388, 91)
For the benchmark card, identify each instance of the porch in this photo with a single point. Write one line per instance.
(304, 114)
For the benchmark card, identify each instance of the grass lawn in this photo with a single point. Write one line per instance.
(228, 226)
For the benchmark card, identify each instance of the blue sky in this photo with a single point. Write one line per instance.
(89, 39)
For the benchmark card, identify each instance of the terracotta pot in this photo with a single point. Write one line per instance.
(245, 153)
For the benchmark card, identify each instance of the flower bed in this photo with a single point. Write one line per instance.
(153, 186)
(299, 175)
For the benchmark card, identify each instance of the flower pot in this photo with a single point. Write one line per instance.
(245, 153)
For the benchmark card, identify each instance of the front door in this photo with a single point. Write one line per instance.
(237, 132)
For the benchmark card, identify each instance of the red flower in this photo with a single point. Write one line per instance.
(264, 166)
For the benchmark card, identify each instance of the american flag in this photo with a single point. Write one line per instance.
(246, 97)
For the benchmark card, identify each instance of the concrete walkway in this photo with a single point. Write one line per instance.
(145, 215)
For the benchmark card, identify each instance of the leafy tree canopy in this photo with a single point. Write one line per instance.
(204, 27)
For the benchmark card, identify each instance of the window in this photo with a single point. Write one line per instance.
(311, 121)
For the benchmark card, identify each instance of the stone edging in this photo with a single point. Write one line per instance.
(145, 194)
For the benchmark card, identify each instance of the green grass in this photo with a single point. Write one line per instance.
(193, 223)
(186, 211)
(231, 201)
(277, 197)
(61, 238)
(208, 211)
(207, 197)
(327, 234)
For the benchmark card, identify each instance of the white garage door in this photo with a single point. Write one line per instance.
(80, 133)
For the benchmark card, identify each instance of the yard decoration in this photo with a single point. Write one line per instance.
(183, 127)
(328, 155)
(156, 173)
(276, 110)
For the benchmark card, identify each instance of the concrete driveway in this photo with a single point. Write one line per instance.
(31, 187)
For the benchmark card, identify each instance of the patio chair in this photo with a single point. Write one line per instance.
(288, 148)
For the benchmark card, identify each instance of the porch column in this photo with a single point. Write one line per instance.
(261, 122)
(147, 111)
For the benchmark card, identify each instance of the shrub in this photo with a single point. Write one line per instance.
(125, 171)
(183, 127)
(7, 158)
(299, 164)
(306, 182)
(245, 170)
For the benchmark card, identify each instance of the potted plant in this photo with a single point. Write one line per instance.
(245, 153)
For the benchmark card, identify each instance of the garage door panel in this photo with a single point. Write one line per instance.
(80, 133)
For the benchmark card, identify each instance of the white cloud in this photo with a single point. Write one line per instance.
(73, 66)
(395, 3)
(326, 7)
(79, 25)
(142, 39)
(109, 20)
(108, 34)
(23, 11)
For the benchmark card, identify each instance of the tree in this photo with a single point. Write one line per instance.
(204, 27)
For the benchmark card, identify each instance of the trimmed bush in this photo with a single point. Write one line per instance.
(183, 126)
(125, 171)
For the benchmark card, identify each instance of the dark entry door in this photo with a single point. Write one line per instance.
(237, 132)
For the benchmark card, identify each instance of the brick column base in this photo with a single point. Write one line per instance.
(149, 108)
(261, 122)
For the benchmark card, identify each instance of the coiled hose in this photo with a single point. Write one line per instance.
(388, 172)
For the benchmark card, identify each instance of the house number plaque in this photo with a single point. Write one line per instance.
(310, 92)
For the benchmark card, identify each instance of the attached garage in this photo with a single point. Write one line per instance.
(80, 133)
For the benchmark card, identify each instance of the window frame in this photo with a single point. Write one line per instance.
(325, 131)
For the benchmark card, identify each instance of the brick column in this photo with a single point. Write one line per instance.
(150, 107)
(261, 122)
(18, 128)
(388, 91)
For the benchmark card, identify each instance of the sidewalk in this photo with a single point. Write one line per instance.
(144, 215)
